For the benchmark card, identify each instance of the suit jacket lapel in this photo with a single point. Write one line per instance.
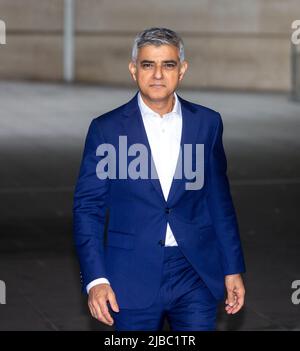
(136, 133)
(190, 127)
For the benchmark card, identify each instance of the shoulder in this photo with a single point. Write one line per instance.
(109, 118)
(210, 115)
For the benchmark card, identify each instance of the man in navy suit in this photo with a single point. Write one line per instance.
(153, 240)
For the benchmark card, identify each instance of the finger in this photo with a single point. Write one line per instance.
(236, 300)
(99, 314)
(239, 305)
(230, 297)
(236, 309)
(241, 299)
(105, 313)
(113, 302)
(92, 310)
(241, 293)
(240, 296)
(229, 308)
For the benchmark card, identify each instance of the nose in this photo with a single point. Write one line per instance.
(158, 73)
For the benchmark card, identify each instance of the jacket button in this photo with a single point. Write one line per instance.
(167, 210)
(161, 243)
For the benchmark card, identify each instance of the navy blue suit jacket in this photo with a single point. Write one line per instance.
(119, 224)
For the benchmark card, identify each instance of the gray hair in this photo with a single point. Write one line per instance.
(157, 36)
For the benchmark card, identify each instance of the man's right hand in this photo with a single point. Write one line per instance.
(97, 302)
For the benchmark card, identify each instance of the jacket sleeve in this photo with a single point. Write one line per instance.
(89, 210)
(222, 208)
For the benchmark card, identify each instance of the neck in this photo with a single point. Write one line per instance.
(162, 106)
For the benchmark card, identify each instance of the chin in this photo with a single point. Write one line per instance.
(158, 94)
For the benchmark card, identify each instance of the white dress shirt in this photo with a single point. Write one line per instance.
(164, 134)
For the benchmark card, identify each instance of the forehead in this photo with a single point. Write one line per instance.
(157, 53)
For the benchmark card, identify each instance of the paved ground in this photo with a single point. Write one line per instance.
(42, 128)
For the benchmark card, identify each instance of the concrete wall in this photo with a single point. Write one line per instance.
(231, 44)
(33, 47)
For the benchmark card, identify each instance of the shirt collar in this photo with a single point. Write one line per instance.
(146, 110)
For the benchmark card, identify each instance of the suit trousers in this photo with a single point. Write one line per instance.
(183, 298)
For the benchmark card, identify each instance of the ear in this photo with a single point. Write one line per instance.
(183, 68)
(132, 70)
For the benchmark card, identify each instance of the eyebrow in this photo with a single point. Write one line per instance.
(166, 61)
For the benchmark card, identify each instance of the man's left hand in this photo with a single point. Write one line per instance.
(235, 293)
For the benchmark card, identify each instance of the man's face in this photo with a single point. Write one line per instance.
(158, 71)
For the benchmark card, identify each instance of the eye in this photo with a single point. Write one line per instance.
(170, 65)
(147, 65)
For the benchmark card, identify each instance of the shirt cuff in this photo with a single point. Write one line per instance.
(96, 282)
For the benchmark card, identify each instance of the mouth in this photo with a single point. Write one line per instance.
(157, 85)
